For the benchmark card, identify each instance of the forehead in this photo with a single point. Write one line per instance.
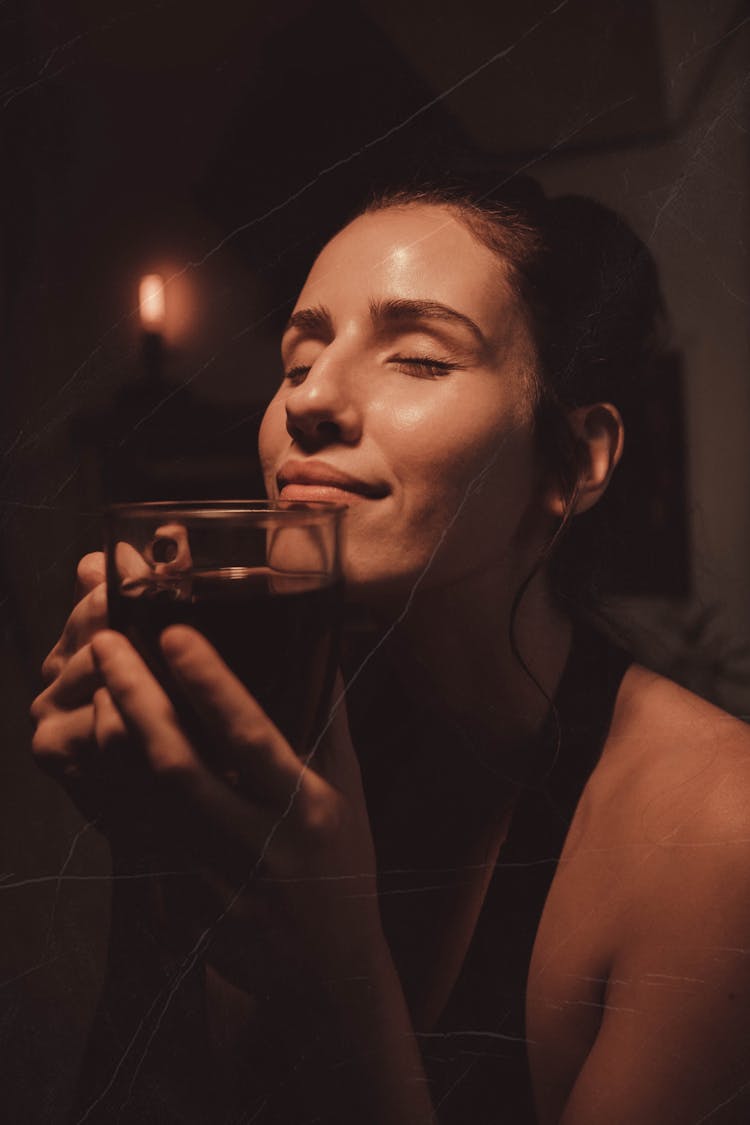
(412, 251)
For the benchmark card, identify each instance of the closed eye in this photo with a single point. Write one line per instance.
(296, 374)
(423, 367)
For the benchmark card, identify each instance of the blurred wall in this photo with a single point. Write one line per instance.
(688, 196)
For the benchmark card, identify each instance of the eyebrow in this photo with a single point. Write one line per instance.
(405, 309)
(317, 320)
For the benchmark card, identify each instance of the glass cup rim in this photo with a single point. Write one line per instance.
(291, 509)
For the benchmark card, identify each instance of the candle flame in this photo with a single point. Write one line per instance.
(151, 302)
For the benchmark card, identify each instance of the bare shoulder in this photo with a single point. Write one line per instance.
(662, 829)
(674, 767)
(645, 936)
(665, 818)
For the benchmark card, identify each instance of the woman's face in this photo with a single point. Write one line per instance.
(407, 395)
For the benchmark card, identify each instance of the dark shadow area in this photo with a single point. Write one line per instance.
(220, 146)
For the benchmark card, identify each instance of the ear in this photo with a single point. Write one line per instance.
(599, 436)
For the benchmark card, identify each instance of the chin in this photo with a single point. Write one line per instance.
(383, 588)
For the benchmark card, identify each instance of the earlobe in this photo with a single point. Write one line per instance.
(598, 436)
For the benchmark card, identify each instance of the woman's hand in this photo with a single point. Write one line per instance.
(281, 841)
(74, 715)
(293, 838)
(283, 844)
(80, 738)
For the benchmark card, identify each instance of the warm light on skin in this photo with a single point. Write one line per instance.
(451, 450)
(151, 302)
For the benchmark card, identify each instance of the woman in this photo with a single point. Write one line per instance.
(491, 882)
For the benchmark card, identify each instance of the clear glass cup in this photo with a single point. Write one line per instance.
(260, 579)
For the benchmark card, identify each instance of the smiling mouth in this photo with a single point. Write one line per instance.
(318, 481)
(304, 492)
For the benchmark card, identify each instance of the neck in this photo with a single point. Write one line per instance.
(453, 652)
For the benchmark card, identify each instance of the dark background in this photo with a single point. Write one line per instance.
(218, 144)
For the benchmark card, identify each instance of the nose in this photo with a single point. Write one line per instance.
(323, 408)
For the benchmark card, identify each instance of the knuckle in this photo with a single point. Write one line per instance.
(39, 708)
(46, 746)
(246, 730)
(90, 569)
(52, 666)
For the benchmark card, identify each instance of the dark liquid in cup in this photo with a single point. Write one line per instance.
(279, 635)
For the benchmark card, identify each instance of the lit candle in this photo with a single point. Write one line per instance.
(151, 302)
(152, 308)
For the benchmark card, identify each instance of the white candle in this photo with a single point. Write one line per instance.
(151, 302)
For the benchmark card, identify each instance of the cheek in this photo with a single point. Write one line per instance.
(472, 477)
(447, 447)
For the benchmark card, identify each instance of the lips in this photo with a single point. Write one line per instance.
(299, 480)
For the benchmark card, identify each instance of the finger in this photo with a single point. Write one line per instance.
(91, 612)
(74, 686)
(89, 615)
(62, 747)
(109, 728)
(223, 824)
(144, 706)
(90, 573)
(61, 738)
(262, 755)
